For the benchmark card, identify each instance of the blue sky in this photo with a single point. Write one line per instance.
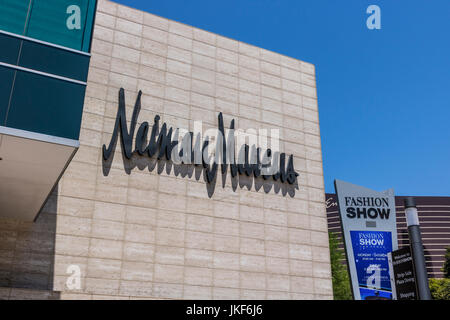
(384, 95)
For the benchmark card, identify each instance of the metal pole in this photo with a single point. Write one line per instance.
(416, 245)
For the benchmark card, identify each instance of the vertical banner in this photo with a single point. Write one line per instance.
(403, 275)
(369, 232)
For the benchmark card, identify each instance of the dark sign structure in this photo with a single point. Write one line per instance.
(404, 281)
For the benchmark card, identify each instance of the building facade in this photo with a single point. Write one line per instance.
(434, 218)
(129, 226)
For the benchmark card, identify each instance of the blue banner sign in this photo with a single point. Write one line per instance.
(370, 249)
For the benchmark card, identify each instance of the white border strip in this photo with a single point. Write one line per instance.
(44, 43)
(39, 137)
(42, 73)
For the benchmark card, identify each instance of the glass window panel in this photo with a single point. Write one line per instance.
(13, 14)
(67, 23)
(48, 22)
(10, 46)
(7, 76)
(54, 60)
(89, 27)
(46, 105)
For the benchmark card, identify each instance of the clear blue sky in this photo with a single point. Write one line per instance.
(384, 95)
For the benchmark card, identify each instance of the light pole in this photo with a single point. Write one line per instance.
(415, 240)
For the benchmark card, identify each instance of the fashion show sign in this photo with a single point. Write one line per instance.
(369, 230)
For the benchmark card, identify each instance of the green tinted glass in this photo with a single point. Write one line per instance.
(54, 60)
(13, 15)
(7, 75)
(64, 22)
(49, 21)
(46, 105)
(10, 47)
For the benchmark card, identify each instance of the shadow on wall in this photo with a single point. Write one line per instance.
(27, 255)
(199, 172)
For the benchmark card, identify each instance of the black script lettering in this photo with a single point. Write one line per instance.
(121, 124)
(141, 138)
(161, 144)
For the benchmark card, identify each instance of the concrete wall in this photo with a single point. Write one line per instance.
(27, 252)
(136, 229)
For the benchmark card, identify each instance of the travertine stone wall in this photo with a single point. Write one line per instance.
(138, 233)
(27, 251)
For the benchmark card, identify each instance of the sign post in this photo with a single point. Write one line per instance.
(418, 257)
(369, 230)
(402, 274)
